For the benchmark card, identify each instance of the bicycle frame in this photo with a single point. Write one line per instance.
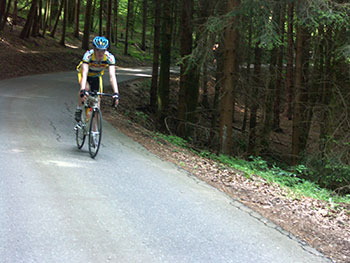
(91, 123)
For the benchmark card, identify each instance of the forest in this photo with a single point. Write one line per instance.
(265, 79)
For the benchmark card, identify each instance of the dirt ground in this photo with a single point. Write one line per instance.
(317, 223)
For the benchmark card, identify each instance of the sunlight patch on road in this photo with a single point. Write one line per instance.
(137, 75)
(24, 97)
(71, 46)
(62, 164)
(17, 150)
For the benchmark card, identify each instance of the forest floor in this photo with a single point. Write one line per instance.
(317, 223)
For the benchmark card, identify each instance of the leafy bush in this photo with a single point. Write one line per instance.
(175, 140)
(330, 173)
(299, 179)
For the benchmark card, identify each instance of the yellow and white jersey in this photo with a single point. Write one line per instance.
(96, 68)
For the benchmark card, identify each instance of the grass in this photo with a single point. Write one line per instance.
(287, 179)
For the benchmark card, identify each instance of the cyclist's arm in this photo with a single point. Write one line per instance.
(84, 74)
(113, 78)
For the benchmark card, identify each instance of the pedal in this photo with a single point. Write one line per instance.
(77, 126)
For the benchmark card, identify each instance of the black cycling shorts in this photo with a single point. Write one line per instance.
(94, 83)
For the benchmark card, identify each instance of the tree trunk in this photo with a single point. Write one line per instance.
(46, 16)
(127, 27)
(175, 30)
(109, 20)
(4, 20)
(64, 26)
(100, 30)
(204, 9)
(186, 71)
(219, 58)
(270, 86)
(229, 81)
(77, 15)
(93, 12)
(301, 97)
(15, 12)
(144, 25)
(71, 12)
(55, 5)
(278, 84)
(87, 25)
(37, 20)
(132, 19)
(57, 19)
(290, 61)
(2, 9)
(156, 46)
(248, 92)
(25, 33)
(164, 77)
(116, 5)
(254, 103)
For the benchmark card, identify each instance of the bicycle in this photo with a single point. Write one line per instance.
(90, 124)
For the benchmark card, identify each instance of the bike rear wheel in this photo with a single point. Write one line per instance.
(95, 132)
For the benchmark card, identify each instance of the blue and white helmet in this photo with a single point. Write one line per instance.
(100, 43)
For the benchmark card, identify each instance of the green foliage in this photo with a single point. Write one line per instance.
(291, 179)
(175, 140)
(141, 116)
(330, 173)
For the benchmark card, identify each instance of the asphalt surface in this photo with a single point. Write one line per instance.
(59, 205)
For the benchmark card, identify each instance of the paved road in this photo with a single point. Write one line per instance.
(59, 205)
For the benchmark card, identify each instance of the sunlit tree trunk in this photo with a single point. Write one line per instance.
(156, 47)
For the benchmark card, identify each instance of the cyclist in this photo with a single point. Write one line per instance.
(91, 69)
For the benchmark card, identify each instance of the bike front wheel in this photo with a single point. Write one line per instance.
(95, 132)
(80, 135)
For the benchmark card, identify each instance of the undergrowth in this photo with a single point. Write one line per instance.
(293, 178)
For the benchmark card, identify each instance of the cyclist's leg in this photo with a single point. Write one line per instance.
(80, 100)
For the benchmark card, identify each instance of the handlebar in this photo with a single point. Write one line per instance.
(94, 93)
